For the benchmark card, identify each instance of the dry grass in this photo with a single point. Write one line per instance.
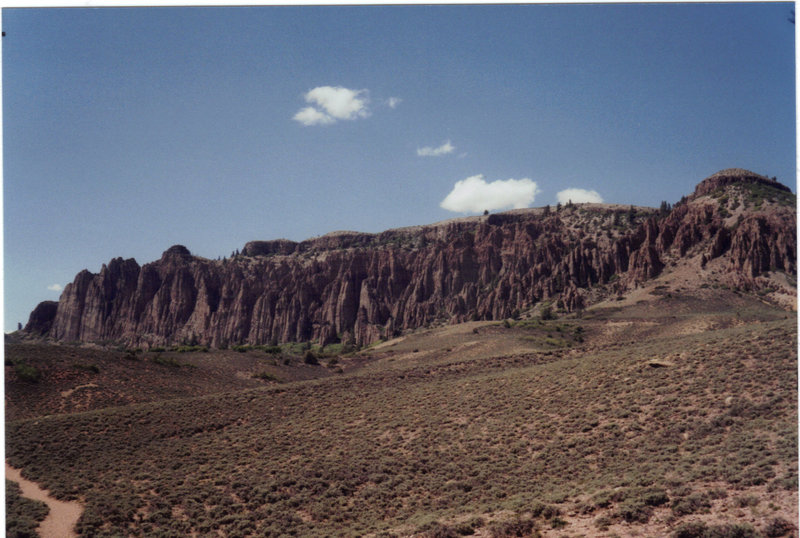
(557, 428)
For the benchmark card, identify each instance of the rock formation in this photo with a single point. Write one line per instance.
(364, 287)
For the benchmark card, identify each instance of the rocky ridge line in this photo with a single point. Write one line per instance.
(360, 288)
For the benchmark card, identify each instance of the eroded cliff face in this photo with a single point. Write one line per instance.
(363, 287)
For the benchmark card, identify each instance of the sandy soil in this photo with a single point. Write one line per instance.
(60, 522)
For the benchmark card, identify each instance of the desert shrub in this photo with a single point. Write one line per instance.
(437, 530)
(717, 493)
(547, 313)
(690, 504)
(166, 361)
(692, 529)
(654, 497)
(604, 498)
(747, 500)
(546, 511)
(266, 376)
(635, 511)
(468, 528)
(699, 529)
(273, 350)
(332, 349)
(22, 515)
(778, 527)
(310, 358)
(93, 368)
(515, 527)
(27, 373)
(353, 481)
(788, 483)
(158, 349)
(603, 522)
(732, 530)
(191, 349)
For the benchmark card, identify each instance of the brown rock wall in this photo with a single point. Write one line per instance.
(370, 286)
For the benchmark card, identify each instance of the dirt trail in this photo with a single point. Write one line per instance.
(60, 521)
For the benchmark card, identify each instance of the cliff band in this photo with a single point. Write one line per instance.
(360, 287)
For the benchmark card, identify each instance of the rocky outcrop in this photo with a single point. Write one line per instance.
(363, 287)
(41, 319)
(732, 176)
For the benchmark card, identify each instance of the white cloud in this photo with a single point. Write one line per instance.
(393, 102)
(579, 196)
(444, 149)
(333, 103)
(474, 194)
(55, 287)
(312, 116)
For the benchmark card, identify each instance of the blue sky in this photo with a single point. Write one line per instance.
(126, 131)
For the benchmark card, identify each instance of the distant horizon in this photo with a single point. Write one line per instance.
(130, 129)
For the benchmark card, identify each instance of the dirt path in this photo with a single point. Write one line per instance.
(60, 521)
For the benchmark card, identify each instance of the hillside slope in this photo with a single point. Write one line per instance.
(674, 415)
(737, 230)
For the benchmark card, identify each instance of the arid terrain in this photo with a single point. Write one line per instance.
(587, 370)
(675, 415)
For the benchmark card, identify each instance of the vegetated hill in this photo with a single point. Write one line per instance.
(672, 412)
(47, 379)
(737, 230)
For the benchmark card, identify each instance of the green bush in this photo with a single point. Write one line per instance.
(166, 361)
(778, 527)
(655, 497)
(516, 527)
(266, 376)
(692, 529)
(635, 511)
(22, 515)
(27, 373)
(695, 502)
(190, 349)
(310, 358)
(468, 528)
(93, 368)
(547, 313)
(699, 529)
(437, 530)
